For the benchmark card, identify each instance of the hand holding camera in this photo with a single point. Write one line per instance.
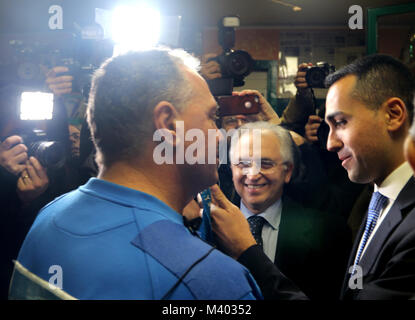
(59, 84)
(265, 111)
(300, 80)
(33, 181)
(210, 69)
(13, 155)
(311, 128)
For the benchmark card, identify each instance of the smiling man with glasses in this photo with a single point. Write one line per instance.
(297, 239)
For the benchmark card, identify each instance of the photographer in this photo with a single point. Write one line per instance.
(23, 180)
(26, 184)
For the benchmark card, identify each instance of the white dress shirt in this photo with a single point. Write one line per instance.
(269, 234)
(390, 188)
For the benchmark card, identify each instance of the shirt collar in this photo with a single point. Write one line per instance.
(395, 182)
(129, 197)
(272, 214)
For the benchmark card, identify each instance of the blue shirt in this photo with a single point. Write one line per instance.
(113, 242)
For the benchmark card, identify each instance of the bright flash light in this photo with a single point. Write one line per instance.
(36, 106)
(135, 28)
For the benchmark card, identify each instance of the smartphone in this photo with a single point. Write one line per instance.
(36, 106)
(232, 105)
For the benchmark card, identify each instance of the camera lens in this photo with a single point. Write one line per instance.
(50, 154)
(315, 77)
(239, 63)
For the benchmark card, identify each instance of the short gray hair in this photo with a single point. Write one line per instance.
(283, 136)
(124, 91)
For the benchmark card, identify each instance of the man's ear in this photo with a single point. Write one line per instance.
(396, 114)
(288, 172)
(164, 117)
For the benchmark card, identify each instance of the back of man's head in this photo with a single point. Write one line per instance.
(124, 92)
(379, 77)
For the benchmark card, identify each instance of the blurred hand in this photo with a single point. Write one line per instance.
(13, 155)
(210, 69)
(192, 210)
(300, 81)
(229, 224)
(59, 84)
(33, 181)
(267, 113)
(311, 128)
(298, 139)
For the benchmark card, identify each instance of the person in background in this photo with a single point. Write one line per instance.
(369, 110)
(297, 239)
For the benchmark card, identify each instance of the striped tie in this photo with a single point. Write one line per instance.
(377, 203)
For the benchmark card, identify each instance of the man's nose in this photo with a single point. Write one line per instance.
(253, 172)
(334, 144)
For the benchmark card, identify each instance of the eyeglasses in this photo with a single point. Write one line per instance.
(264, 166)
(234, 121)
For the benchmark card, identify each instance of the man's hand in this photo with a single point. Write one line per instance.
(210, 69)
(267, 113)
(13, 155)
(311, 128)
(298, 139)
(192, 210)
(59, 84)
(300, 81)
(229, 224)
(33, 181)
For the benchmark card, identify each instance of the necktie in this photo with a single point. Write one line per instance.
(377, 203)
(255, 224)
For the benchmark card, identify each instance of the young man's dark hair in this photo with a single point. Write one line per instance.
(379, 77)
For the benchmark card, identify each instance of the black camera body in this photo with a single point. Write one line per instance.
(23, 55)
(235, 65)
(50, 154)
(315, 75)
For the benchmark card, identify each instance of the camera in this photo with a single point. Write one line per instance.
(235, 65)
(24, 56)
(232, 105)
(50, 154)
(315, 75)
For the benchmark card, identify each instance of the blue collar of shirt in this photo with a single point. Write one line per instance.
(129, 197)
(272, 214)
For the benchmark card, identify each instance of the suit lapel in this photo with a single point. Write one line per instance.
(353, 253)
(393, 218)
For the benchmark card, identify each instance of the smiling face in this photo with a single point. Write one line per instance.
(259, 190)
(357, 133)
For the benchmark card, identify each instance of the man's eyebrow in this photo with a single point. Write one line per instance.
(330, 117)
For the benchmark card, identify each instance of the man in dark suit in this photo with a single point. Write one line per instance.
(369, 109)
(297, 239)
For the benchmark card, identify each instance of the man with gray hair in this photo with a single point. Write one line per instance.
(121, 235)
(296, 239)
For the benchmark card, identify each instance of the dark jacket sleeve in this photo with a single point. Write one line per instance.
(274, 285)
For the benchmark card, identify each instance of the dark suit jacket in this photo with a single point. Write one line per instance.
(312, 249)
(388, 264)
